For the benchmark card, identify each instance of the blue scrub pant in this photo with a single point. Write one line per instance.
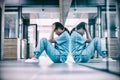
(52, 53)
(88, 52)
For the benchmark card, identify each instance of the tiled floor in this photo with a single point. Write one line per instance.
(46, 70)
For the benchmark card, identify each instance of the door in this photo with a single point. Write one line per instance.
(32, 39)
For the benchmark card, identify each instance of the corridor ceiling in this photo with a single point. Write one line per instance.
(34, 8)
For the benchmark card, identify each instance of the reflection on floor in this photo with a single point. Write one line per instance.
(46, 70)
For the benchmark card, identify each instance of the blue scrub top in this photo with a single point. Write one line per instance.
(62, 45)
(77, 43)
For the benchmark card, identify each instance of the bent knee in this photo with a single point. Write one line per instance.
(96, 39)
(43, 39)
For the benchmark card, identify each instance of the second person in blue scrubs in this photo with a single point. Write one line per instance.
(80, 51)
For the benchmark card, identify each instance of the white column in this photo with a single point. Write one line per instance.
(64, 6)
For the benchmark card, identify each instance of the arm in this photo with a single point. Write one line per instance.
(89, 39)
(51, 39)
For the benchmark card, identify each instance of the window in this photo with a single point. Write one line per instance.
(11, 23)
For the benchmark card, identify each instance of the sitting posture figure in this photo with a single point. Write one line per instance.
(57, 53)
(80, 51)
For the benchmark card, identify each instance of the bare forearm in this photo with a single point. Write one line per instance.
(89, 39)
(51, 39)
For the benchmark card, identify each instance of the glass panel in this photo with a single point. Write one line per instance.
(88, 15)
(113, 27)
(11, 24)
(0, 31)
(99, 27)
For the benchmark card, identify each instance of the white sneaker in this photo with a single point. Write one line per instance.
(109, 59)
(32, 60)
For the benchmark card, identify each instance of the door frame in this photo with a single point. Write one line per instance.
(36, 40)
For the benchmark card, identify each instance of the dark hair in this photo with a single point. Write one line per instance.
(67, 30)
(72, 31)
(79, 26)
(59, 25)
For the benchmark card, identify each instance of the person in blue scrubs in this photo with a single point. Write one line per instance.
(59, 52)
(82, 48)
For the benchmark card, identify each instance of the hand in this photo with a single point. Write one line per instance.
(53, 27)
(86, 27)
